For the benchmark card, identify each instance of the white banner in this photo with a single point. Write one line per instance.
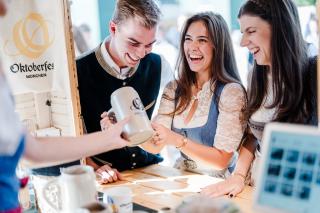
(33, 47)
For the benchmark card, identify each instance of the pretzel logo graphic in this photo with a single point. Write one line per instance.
(31, 36)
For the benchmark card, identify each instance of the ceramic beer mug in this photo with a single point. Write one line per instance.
(126, 102)
(75, 188)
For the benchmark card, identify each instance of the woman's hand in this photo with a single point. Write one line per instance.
(232, 186)
(162, 134)
(106, 174)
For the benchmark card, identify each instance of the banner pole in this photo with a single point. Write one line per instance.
(72, 69)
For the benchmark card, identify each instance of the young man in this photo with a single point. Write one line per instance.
(123, 59)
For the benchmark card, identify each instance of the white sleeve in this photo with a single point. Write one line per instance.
(10, 126)
(231, 104)
(167, 75)
(167, 106)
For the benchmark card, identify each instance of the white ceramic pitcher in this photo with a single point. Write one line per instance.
(76, 186)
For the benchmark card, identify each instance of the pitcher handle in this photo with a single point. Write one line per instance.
(47, 198)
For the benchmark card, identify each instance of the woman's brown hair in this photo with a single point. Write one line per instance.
(290, 68)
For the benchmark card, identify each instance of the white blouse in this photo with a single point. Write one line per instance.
(230, 123)
(264, 114)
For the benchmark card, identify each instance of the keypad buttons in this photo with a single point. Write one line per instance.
(270, 186)
(289, 173)
(287, 189)
(303, 192)
(277, 154)
(292, 156)
(274, 170)
(309, 158)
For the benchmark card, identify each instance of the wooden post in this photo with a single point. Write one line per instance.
(72, 70)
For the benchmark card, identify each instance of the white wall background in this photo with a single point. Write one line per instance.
(218, 6)
(84, 11)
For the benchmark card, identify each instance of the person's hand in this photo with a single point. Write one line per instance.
(107, 120)
(232, 186)
(113, 134)
(162, 134)
(106, 174)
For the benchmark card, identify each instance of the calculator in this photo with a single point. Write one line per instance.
(289, 173)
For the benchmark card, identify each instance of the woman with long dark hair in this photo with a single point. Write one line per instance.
(282, 86)
(198, 109)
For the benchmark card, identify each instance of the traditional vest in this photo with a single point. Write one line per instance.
(204, 135)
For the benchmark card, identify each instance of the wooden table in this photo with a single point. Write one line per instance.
(159, 186)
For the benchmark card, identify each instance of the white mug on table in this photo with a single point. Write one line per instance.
(76, 188)
(125, 102)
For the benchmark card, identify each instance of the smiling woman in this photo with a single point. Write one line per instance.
(198, 49)
(256, 37)
(197, 109)
(282, 84)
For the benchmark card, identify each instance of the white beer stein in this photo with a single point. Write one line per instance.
(76, 188)
(126, 102)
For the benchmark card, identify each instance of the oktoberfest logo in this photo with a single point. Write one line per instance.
(30, 36)
(137, 104)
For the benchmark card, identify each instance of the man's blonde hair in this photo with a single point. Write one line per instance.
(146, 11)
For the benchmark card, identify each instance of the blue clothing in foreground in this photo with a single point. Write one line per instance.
(9, 183)
(11, 148)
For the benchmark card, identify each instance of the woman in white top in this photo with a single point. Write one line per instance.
(201, 112)
(282, 86)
